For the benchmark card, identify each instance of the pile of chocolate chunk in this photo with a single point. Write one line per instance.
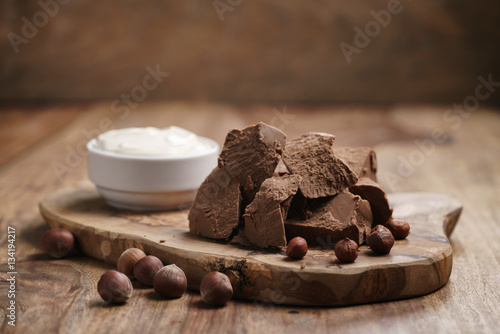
(267, 190)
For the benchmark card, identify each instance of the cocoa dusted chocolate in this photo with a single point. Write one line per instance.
(280, 169)
(373, 192)
(267, 190)
(298, 206)
(216, 209)
(265, 216)
(251, 156)
(332, 219)
(323, 173)
(361, 160)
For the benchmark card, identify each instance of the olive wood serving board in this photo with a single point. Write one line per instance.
(418, 265)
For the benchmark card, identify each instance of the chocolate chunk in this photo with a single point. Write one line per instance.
(374, 193)
(281, 169)
(332, 219)
(264, 217)
(298, 206)
(361, 160)
(251, 156)
(323, 174)
(241, 239)
(216, 208)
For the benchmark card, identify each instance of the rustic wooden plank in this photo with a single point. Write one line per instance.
(468, 303)
(23, 127)
(422, 53)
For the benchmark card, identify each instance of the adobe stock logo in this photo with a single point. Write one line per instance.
(121, 108)
(372, 29)
(452, 118)
(49, 8)
(222, 6)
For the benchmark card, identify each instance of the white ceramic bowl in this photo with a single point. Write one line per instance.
(144, 183)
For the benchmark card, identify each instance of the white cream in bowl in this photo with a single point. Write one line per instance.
(150, 169)
(168, 142)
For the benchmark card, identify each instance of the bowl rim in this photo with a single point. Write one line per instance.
(91, 147)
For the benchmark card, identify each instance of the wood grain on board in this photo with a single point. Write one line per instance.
(60, 295)
(416, 266)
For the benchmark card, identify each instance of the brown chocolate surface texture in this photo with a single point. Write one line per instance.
(373, 192)
(280, 169)
(216, 208)
(241, 239)
(264, 217)
(332, 219)
(298, 206)
(251, 156)
(309, 187)
(323, 173)
(361, 160)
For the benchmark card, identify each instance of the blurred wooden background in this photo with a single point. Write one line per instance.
(248, 50)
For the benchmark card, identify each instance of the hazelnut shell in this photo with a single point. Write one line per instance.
(114, 287)
(380, 240)
(128, 260)
(216, 289)
(346, 250)
(146, 268)
(296, 248)
(399, 228)
(58, 242)
(170, 281)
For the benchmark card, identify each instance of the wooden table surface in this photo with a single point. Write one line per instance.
(42, 150)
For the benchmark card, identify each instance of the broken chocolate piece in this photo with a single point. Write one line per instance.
(241, 239)
(361, 160)
(264, 217)
(216, 208)
(374, 193)
(298, 206)
(323, 173)
(281, 169)
(251, 156)
(332, 219)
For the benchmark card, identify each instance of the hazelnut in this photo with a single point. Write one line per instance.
(114, 287)
(346, 250)
(380, 240)
(128, 259)
(170, 281)
(146, 268)
(399, 228)
(58, 242)
(215, 288)
(297, 248)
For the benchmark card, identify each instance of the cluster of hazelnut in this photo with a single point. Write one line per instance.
(168, 281)
(380, 240)
(115, 286)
